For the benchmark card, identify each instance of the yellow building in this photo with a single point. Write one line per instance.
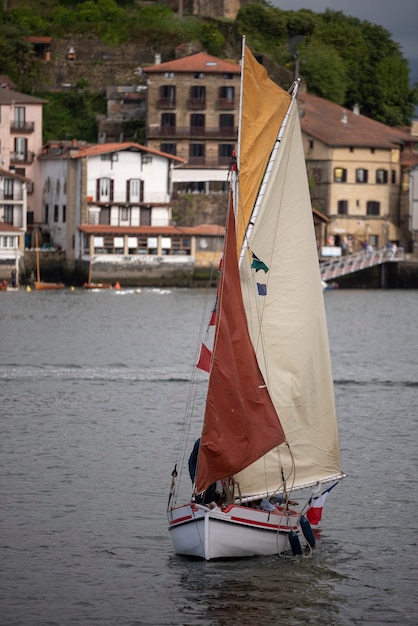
(355, 173)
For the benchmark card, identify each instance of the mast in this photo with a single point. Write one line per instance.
(38, 273)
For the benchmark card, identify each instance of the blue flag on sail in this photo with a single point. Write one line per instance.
(257, 263)
(262, 289)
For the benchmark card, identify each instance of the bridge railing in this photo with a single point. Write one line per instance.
(359, 261)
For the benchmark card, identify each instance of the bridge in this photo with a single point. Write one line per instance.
(350, 263)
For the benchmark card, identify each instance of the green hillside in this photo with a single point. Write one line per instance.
(341, 58)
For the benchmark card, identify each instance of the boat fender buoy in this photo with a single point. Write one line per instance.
(295, 543)
(307, 531)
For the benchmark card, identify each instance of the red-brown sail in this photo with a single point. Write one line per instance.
(241, 423)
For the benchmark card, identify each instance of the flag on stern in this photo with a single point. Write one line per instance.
(314, 513)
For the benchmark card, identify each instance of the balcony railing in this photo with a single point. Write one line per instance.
(166, 103)
(16, 196)
(186, 132)
(225, 103)
(204, 161)
(22, 157)
(196, 103)
(22, 127)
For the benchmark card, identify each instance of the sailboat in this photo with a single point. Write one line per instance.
(269, 443)
(90, 285)
(38, 283)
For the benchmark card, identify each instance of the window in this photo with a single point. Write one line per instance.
(124, 214)
(8, 188)
(340, 175)
(8, 213)
(8, 242)
(373, 207)
(104, 190)
(361, 175)
(226, 95)
(197, 96)
(21, 148)
(132, 245)
(64, 213)
(167, 96)
(46, 211)
(342, 207)
(225, 151)
(393, 177)
(134, 190)
(228, 76)
(381, 177)
(197, 124)
(175, 245)
(168, 122)
(197, 154)
(20, 117)
(55, 212)
(119, 245)
(98, 243)
(168, 148)
(198, 75)
(226, 121)
(169, 74)
(147, 245)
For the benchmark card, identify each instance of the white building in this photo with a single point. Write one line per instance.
(107, 187)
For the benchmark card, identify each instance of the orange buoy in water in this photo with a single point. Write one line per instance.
(117, 286)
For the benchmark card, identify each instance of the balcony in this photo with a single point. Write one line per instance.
(196, 103)
(225, 103)
(22, 157)
(16, 196)
(193, 132)
(166, 103)
(22, 127)
(209, 162)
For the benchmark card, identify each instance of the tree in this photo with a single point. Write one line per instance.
(323, 70)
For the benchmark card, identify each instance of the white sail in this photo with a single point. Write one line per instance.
(288, 326)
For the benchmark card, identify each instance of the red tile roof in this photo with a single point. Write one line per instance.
(339, 127)
(200, 62)
(104, 148)
(10, 96)
(9, 174)
(8, 228)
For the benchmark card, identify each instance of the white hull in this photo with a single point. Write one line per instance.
(231, 532)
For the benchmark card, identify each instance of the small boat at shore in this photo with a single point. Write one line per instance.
(97, 286)
(89, 284)
(38, 284)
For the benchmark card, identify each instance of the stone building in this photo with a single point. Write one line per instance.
(193, 113)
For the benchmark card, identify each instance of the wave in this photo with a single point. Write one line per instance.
(73, 372)
(376, 382)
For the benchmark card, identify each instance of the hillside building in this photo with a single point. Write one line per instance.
(192, 108)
